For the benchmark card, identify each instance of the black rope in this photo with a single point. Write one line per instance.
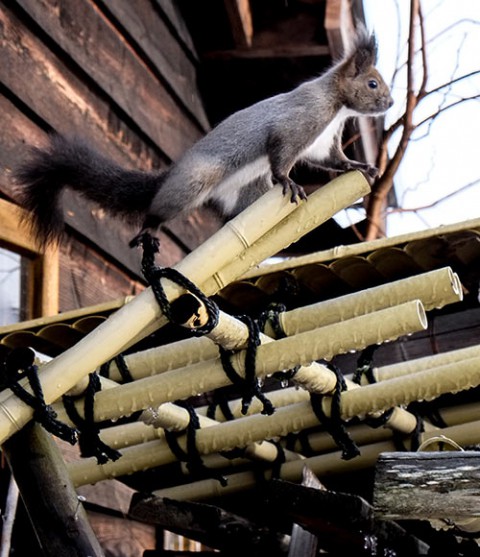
(219, 401)
(153, 274)
(365, 365)
(249, 386)
(191, 456)
(20, 364)
(272, 315)
(334, 424)
(365, 368)
(122, 369)
(89, 439)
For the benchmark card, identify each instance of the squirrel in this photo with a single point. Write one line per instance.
(231, 166)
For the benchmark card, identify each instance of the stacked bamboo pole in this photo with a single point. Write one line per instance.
(142, 314)
(320, 331)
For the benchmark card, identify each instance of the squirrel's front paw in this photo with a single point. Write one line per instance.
(372, 171)
(289, 185)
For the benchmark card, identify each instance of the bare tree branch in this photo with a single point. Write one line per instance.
(434, 203)
(389, 162)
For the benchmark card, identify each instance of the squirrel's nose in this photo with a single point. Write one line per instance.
(390, 102)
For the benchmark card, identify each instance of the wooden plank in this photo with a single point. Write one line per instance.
(240, 17)
(108, 233)
(168, 57)
(87, 278)
(210, 525)
(60, 99)
(427, 485)
(57, 516)
(94, 44)
(172, 14)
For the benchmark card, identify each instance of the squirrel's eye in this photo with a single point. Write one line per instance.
(373, 84)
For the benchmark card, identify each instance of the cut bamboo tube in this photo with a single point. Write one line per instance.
(174, 418)
(423, 385)
(419, 364)
(321, 465)
(434, 289)
(355, 334)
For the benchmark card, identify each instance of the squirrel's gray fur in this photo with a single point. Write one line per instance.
(231, 166)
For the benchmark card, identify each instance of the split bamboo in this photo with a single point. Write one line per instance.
(143, 312)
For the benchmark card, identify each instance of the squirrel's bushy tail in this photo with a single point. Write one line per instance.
(70, 162)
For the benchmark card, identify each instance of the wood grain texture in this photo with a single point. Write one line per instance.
(105, 56)
(427, 485)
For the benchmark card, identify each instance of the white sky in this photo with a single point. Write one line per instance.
(449, 157)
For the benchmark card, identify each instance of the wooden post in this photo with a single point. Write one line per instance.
(55, 511)
(428, 485)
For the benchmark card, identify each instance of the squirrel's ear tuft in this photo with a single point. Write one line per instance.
(363, 52)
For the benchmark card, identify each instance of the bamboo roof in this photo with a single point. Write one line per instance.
(318, 276)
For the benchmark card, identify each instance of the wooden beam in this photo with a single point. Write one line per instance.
(281, 51)
(240, 17)
(427, 485)
(210, 525)
(54, 509)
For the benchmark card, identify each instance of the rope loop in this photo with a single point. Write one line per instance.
(334, 424)
(191, 456)
(272, 316)
(20, 364)
(250, 385)
(365, 365)
(89, 438)
(153, 275)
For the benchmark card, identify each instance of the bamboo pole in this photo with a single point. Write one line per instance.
(428, 362)
(354, 334)
(290, 229)
(143, 312)
(297, 417)
(321, 465)
(434, 289)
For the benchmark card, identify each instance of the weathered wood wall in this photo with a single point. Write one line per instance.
(123, 75)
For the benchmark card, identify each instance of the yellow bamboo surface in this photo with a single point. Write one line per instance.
(419, 364)
(434, 289)
(325, 342)
(142, 313)
(295, 417)
(321, 465)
